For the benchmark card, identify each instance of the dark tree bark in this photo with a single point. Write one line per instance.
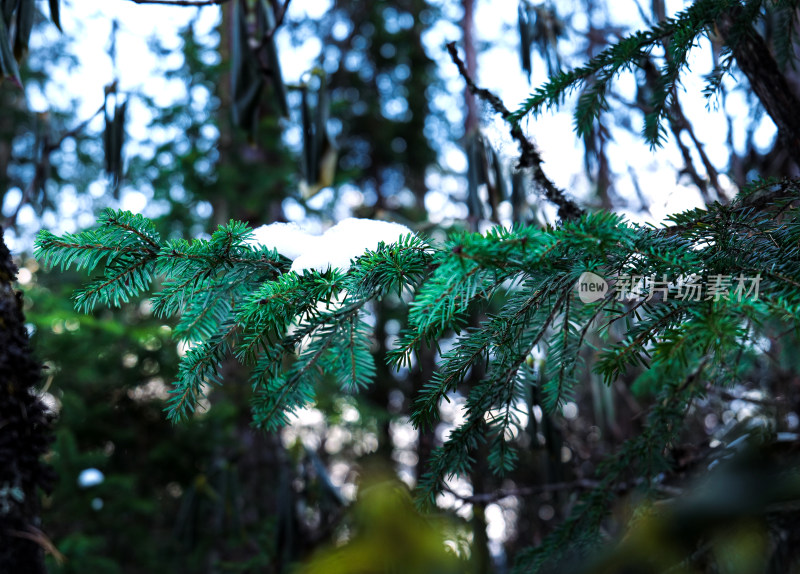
(766, 79)
(25, 434)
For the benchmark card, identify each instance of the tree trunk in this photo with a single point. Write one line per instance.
(25, 435)
(767, 81)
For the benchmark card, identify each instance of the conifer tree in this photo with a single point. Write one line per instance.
(680, 310)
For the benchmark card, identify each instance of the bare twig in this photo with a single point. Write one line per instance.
(725, 395)
(281, 16)
(688, 163)
(43, 165)
(489, 497)
(530, 157)
(579, 484)
(711, 171)
(38, 537)
(269, 34)
(76, 130)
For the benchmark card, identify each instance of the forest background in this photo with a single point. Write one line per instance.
(370, 88)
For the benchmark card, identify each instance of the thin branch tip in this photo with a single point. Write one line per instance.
(529, 156)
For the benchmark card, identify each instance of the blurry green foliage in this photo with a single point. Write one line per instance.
(386, 534)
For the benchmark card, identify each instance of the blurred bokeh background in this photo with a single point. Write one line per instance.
(312, 111)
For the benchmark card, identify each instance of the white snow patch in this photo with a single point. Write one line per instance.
(335, 248)
(288, 238)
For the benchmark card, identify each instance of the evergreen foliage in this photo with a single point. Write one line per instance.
(501, 308)
(670, 43)
(295, 330)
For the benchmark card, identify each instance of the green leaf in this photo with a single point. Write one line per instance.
(25, 12)
(321, 122)
(309, 151)
(246, 79)
(475, 175)
(8, 7)
(525, 37)
(267, 24)
(114, 138)
(8, 64)
(54, 13)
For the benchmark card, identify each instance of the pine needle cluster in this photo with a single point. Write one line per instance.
(679, 307)
(664, 50)
(293, 330)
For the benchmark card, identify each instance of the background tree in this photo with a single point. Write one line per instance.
(559, 476)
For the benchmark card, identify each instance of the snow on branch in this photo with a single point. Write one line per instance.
(333, 249)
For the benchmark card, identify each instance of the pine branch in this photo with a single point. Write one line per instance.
(121, 284)
(732, 17)
(199, 367)
(579, 533)
(303, 330)
(138, 225)
(272, 407)
(355, 363)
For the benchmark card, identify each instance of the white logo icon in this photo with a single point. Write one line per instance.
(591, 287)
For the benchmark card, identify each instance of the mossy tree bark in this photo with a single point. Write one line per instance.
(25, 434)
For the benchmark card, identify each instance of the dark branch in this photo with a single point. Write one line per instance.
(281, 16)
(580, 484)
(530, 157)
(42, 169)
